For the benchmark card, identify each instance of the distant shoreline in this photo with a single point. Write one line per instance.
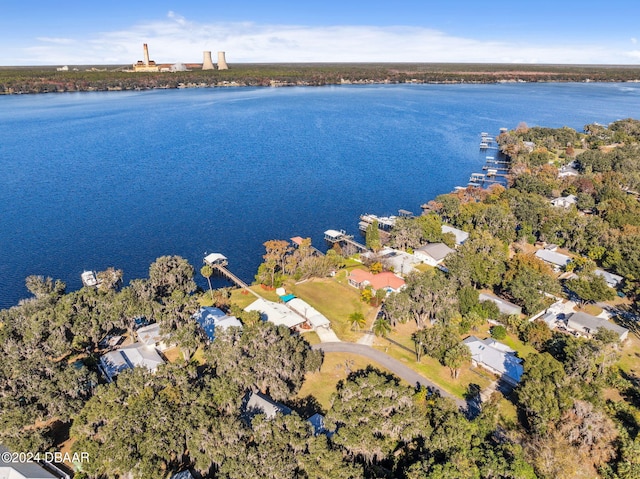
(48, 79)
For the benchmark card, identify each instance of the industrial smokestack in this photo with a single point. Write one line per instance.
(207, 62)
(222, 63)
(146, 54)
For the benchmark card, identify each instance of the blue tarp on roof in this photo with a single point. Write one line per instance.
(287, 297)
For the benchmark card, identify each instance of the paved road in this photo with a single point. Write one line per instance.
(393, 365)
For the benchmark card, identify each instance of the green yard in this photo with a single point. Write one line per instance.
(336, 301)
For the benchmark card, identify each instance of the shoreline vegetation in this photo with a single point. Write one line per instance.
(47, 79)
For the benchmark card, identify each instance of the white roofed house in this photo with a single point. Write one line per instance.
(495, 357)
(556, 260)
(276, 313)
(312, 315)
(150, 336)
(128, 357)
(433, 254)
(588, 325)
(613, 280)
(504, 306)
(461, 236)
(564, 201)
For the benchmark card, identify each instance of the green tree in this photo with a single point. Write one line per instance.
(381, 327)
(543, 393)
(455, 357)
(590, 288)
(372, 236)
(171, 273)
(207, 272)
(357, 320)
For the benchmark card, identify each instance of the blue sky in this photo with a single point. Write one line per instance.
(112, 32)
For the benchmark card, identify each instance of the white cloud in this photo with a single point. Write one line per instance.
(177, 39)
(634, 40)
(58, 41)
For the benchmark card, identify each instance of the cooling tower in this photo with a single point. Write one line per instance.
(222, 63)
(207, 62)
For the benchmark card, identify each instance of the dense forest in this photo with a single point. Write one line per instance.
(577, 411)
(83, 78)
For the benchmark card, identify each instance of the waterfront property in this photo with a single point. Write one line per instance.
(276, 313)
(312, 315)
(210, 318)
(495, 357)
(564, 201)
(433, 254)
(150, 336)
(390, 282)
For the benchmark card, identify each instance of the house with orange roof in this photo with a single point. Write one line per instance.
(392, 283)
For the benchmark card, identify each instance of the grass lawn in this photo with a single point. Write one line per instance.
(336, 301)
(322, 384)
(173, 354)
(243, 298)
(429, 367)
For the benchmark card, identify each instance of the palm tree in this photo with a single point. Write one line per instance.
(357, 320)
(207, 272)
(381, 327)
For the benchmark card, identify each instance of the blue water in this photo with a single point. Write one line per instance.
(91, 180)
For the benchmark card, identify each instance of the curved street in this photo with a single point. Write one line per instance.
(386, 361)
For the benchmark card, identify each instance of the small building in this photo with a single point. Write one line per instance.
(564, 201)
(556, 260)
(23, 469)
(89, 279)
(568, 170)
(587, 325)
(216, 258)
(504, 306)
(433, 254)
(334, 236)
(129, 357)
(496, 357)
(278, 314)
(395, 260)
(390, 282)
(150, 336)
(613, 280)
(258, 403)
(461, 236)
(211, 318)
(312, 315)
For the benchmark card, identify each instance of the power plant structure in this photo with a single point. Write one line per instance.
(148, 65)
(207, 62)
(145, 65)
(222, 62)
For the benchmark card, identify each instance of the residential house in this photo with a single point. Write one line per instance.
(304, 309)
(258, 403)
(504, 306)
(587, 325)
(613, 280)
(24, 470)
(396, 260)
(496, 357)
(554, 259)
(390, 282)
(568, 170)
(564, 201)
(211, 318)
(129, 357)
(150, 336)
(276, 313)
(461, 236)
(433, 254)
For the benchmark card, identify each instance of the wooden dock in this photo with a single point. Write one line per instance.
(233, 278)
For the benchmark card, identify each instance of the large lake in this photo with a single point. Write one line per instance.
(91, 180)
